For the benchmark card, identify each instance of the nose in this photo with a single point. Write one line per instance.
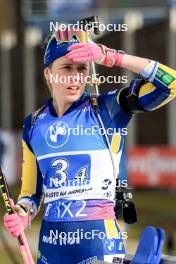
(75, 76)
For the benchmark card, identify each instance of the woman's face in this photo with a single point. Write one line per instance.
(65, 87)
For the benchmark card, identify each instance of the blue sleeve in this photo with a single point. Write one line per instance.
(114, 118)
(111, 112)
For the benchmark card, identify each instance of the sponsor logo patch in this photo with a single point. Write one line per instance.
(57, 134)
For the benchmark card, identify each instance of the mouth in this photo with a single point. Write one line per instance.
(73, 88)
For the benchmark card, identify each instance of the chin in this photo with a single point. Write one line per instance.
(72, 98)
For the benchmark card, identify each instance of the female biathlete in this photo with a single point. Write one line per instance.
(66, 157)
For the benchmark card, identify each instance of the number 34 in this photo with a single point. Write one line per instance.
(61, 166)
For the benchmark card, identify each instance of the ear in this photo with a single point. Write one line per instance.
(47, 73)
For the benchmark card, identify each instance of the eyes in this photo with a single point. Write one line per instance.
(80, 68)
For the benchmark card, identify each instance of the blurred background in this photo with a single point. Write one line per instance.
(150, 158)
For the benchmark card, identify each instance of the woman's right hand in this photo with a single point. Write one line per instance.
(87, 52)
(17, 222)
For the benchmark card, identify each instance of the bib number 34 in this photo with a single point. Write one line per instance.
(61, 174)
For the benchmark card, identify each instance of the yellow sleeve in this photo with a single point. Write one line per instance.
(29, 172)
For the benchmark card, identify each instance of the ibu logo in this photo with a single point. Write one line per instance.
(57, 134)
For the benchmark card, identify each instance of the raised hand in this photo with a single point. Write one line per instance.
(87, 52)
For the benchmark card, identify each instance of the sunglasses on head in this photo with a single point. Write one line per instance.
(66, 35)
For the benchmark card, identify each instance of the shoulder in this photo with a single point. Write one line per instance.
(108, 95)
(30, 120)
(109, 99)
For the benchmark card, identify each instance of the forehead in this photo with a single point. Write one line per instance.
(63, 60)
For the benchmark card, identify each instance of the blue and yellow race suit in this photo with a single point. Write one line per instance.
(66, 160)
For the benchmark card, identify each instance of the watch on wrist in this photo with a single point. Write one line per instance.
(26, 209)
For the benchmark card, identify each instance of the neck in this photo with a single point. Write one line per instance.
(61, 107)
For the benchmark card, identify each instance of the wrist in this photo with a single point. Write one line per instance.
(110, 57)
(25, 211)
(24, 214)
(119, 57)
(149, 71)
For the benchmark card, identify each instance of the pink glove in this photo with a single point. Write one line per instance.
(83, 52)
(16, 222)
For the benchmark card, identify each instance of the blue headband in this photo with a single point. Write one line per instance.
(55, 50)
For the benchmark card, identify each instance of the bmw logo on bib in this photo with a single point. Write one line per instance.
(57, 134)
(110, 246)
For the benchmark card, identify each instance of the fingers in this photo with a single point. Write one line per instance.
(81, 49)
(15, 232)
(82, 59)
(12, 220)
(18, 221)
(15, 229)
(84, 52)
(76, 46)
(76, 55)
(13, 224)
